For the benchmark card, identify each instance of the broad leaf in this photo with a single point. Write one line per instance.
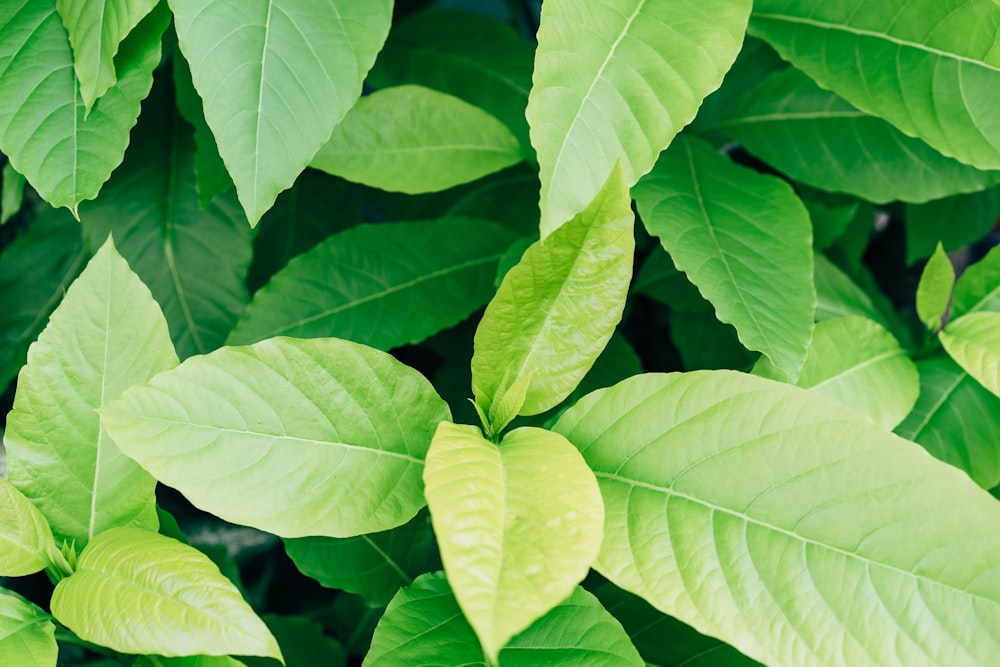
(934, 289)
(518, 524)
(302, 642)
(927, 67)
(978, 289)
(789, 121)
(106, 335)
(64, 153)
(11, 193)
(96, 29)
(831, 514)
(743, 238)
(187, 606)
(413, 139)
(374, 566)
(194, 260)
(27, 634)
(973, 341)
(955, 222)
(957, 420)
(25, 537)
(383, 285)
(556, 310)
(614, 81)
(423, 625)
(857, 363)
(295, 437)
(268, 122)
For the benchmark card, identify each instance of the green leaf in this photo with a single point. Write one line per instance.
(423, 625)
(978, 288)
(518, 524)
(188, 661)
(194, 260)
(96, 29)
(105, 336)
(27, 634)
(556, 310)
(788, 121)
(295, 437)
(302, 643)
(837, 295)
(831, 514)
(955, 419)
(268, 123)
(186, 606)
(374, 566)
(743, 238)
(659, 279)
(934, 290)
(11, 193)
(955, 222)
(704, 342)
(51, 252)
(926, 67)
(857, 363)
(832, 217)
(973, 341)
(25, 537)
(413, 139)
(466, 54)
(64, 153)
(383, 285)
(614, 81)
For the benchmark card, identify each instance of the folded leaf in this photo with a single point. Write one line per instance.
(135, 591)
(295, 437)
(518, 524)
(978, 288)
(27, 634)
(25, 536)
(934, 289)
(973, 341)
(614, 81)
(831, 514)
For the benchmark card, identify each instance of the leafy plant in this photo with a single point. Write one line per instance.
(325, 326)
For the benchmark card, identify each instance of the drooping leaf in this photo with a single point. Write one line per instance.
(555, 311)
(186, 606)
(382, 284)
(423, 625)
(268, 122)
(978, 288)
(934, 290)
(955, 222)
(11, 193)
(96, 29)
(45, 130)
(374, 566)
(857, 363)
(466, 54)
(743, 238)
(302, 643)
(25, 537)
(27, 634)
(614, 81)
(414, 139)
(194, 260)
(957, 420)
(51, 252)
(518, 524)
(107, 334)
(831, 514)
(817, 137)
(973, 341)
(926, 67)
(295, 437)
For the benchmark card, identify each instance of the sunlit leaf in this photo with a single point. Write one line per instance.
(978, 288)
(27, 634)
(25, 537)
(973, 341)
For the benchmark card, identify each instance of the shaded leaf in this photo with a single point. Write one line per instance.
(11, 193)
(302, 643)
(27, 634)
(955, 222)
(188, 661)
(706, 343)
(973, 341)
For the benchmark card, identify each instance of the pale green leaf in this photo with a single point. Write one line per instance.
(11, 193)
(96, 30)
(383, 285)
(934, 289)
(743, 238)
(817, 137)
(64, 153)
(27, 634)
(295, 437)
(556, 310)
(193, 259)
(928, 67)
(25, 538)
(955, 222)
(413, 139)
(302, 642)
(423, 625)
(973, 341)
(830, 514)
(957, 420)
(276, 76)
(135, 591)
(188, 661)
(518, 524)
(106, 335)
(614, 81)
(978, 288)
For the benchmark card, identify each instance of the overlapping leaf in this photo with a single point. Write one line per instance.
(25, 537)
(978, 289)
(303, 644)
(955, 222)
(11, 193)
(27, 634)
(973, 341)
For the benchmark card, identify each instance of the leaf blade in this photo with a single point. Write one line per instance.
(25, 536)
(973, 341)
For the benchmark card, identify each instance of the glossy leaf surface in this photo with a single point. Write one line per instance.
(973, 341)
(27, 634)
(25, 537)
(934, 290)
